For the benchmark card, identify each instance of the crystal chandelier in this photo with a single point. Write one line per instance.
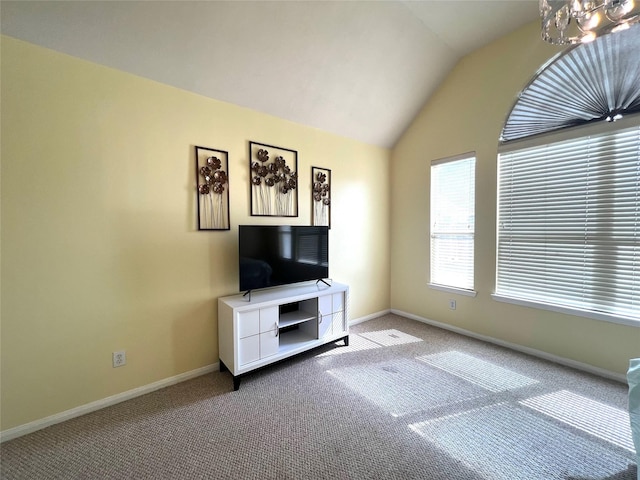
(567, 22)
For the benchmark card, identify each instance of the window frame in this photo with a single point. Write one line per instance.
(457, 289)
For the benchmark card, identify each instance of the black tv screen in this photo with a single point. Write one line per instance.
(279, 255)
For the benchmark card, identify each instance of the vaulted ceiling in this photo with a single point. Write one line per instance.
(360, 69)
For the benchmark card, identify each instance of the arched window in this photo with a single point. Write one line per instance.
(569, 198)
(584, 84)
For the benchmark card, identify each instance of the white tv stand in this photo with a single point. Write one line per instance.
(278, 323)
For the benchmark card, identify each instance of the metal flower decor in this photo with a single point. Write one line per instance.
(212, 189)
(274, 180)
(321, 196)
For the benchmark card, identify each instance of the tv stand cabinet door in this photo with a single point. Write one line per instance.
(269, 343)
(248, 323)
(248, 350)
(325, 316)
(339, 324)
(269, 340)
(269, 318)
(331, 312)
(248, 331)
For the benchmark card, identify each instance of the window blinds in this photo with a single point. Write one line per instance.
(453, 222)
(584, 84)
(569, 224)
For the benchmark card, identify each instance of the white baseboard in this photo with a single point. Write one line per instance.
(368, 317)
(514, 346)
(30, 427)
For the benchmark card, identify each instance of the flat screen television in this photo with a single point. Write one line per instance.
(272, 255)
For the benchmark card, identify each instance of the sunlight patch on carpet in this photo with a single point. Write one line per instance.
(389, 338)
(603, 421)
(506, 442)
(371, 340)
(404, 386)
(477, 371)
(356, 344)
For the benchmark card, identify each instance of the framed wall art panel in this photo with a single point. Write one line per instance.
(321, 196)
(212, 190)
(274, 180)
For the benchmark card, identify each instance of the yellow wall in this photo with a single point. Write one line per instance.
(99, 246)
(467, 114)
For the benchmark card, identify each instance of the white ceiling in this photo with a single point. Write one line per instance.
(360, 69)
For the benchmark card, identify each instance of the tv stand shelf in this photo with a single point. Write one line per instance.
(278, 323)
(292, 340)
(293, 318)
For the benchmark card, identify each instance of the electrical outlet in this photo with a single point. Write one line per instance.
(452, 304)
(119, 358)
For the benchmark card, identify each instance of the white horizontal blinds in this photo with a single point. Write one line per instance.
(453, 222)
(569, 224)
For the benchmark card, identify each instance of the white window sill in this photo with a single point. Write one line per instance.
(458, 291)
(570, 311)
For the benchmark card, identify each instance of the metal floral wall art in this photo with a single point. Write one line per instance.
(321, 196)
(274, 180)
(212, 188)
